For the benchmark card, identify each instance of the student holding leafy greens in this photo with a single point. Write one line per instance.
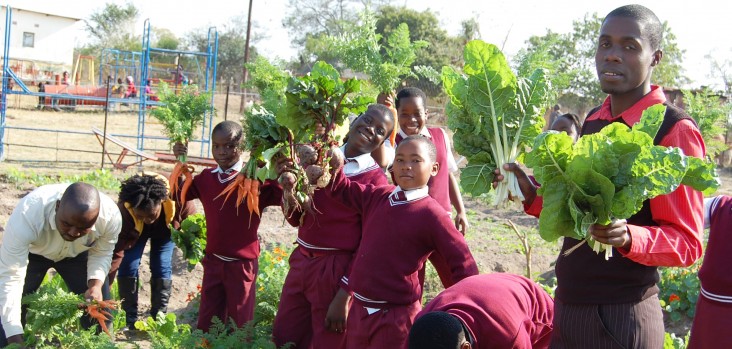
(613, 303)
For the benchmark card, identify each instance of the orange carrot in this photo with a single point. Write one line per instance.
(188, 173)
(99, 311)
(230, 189)
(173, 180)
(254, 193)
(243, 191)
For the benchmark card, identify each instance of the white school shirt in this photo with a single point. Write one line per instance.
(358, 164)
(32, 228)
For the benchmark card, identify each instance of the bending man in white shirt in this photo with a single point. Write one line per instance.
(69, 227)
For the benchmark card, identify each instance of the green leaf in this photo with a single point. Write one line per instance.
(476, 179)
(701, 175)
(651, 120)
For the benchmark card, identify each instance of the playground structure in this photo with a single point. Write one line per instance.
(150, 64)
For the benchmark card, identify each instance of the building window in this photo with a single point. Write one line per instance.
(29, 39)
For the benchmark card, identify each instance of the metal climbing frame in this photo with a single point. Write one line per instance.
(113, 63)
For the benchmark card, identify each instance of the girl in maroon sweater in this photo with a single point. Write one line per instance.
(309, 314)
(713, 317)
(232, 247)
(401, 227)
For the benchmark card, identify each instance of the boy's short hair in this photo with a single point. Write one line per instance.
(436, 330)
(431, 150)
(408, 92)
(652, 27)
(382, 109)
(229, 127)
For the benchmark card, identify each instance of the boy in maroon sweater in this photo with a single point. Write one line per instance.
(232, 248)
(501, 311)
(308, 315)
(401, 227)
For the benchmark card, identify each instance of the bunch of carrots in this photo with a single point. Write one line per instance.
(100, 311)
(181, 169)
(246, 186)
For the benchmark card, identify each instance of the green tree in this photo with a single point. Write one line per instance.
(721, 70)
(112, 27)
(710, 111)
(232, 42)
(570, 58)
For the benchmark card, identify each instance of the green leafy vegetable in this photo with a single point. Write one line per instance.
(495, 116)
(191, 238)
(182, 112)
(608, 175)
(387, 61)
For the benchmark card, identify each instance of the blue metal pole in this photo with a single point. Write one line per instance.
(144, 57)
(6, 69)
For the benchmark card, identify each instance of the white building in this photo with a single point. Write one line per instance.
(41, 44)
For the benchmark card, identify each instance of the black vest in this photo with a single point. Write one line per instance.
(585, 277)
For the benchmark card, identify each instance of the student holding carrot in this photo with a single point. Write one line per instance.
(401, 227)
(232, 247)
(714, 308)
(147, 214)
(614, 303)
(310, 315)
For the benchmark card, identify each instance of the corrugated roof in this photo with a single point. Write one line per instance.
(38, 10)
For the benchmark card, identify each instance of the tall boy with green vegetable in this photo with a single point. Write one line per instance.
(613, 303)
(232, 247)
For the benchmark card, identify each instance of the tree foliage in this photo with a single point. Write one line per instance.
(232, 43)
(710, 113)
(721, 70)
(112, 27)
(570, 58)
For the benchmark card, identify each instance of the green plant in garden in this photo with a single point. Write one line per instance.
(670, 341)
(710, 114)
(164, 332)
(679, 291)
(191, 238)
(100, 179)
(53, 319)
(495, 117)
(273, 268)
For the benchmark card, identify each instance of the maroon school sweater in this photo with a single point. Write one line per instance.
(397, 237)
(335, 226)
(499, 310)
(231, 232)
(714, 275)
(440, 184)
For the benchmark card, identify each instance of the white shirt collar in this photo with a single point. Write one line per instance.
(357, 164)
(237, 167)
(424, 132)
(411, 195)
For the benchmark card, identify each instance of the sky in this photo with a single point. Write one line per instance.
(702, 27)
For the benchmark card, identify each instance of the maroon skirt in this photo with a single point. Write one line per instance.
(711, 326)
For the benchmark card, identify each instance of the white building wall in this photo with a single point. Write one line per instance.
(54, 37)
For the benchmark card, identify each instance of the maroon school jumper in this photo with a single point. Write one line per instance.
(713, 319)
(326, 242)
(440, 190)
(499, 310)
(398, 236)
(228, 285)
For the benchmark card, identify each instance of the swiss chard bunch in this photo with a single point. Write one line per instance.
(191, 238)
(608, 175)
(495, 117)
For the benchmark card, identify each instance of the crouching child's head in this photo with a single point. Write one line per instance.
(225, 140)
(369, 130)
(415, 162)
(438, 330)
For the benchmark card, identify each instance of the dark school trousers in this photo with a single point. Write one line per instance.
(712, 327)
(309, 288)
(72, 270)
(385, 329)
(608, 326)
(227, 291)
